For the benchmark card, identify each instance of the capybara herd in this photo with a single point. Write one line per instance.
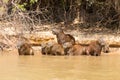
(66, 45)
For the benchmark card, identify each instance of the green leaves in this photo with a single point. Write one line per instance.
(22, 6)
(33, 1)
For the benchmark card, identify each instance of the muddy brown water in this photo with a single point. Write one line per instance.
(38, 67)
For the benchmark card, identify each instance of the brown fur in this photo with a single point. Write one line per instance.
(94, 48)
(25, 49)
(63, 38)
(55, 49)
(77, 49)
(46, 50)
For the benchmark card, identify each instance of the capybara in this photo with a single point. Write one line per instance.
(77, 49)
(25, 49)
(62, 37)
(66, 47)
(54, 49)
(95, 47)
(45, 50)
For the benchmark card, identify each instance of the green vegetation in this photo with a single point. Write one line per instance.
(102, 13)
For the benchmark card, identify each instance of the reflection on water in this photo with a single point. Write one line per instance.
(14, 67)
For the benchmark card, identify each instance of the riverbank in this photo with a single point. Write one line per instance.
(43, 33)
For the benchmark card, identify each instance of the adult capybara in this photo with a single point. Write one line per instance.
(25, 49)
(95, 47)
(62, 38)
(54, 49)
(77, 49)
(45, 50)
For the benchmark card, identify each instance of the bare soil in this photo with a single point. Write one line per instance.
(42, 33)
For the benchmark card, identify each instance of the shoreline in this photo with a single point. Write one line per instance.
(37, 51)
(9, 35)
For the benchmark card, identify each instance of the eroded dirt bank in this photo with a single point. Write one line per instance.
(41, 34)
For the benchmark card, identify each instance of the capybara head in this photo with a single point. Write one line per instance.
(101, 41)
(57, 31)
(70, 38)
(45, 50)
(25, 49)
(104, 44)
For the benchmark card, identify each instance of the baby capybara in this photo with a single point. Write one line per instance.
(54, 49)
(95, 47)
(25, 49)
(62, 37)
(77, 49)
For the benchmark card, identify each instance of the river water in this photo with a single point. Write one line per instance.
(38, 67)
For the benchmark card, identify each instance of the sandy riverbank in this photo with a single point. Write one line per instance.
(9, 35)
